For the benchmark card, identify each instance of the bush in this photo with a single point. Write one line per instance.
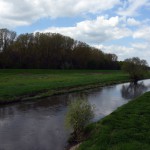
(79, 114)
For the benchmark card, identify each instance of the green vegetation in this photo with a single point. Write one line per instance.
(22, 84)
(79, 114)
(136, 68)
(127, 128)
(50, 51)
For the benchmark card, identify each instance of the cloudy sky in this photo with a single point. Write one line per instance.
(115, 26)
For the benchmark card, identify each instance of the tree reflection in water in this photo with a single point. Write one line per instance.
(133, 90)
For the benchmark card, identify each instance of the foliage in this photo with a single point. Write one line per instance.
(127, 128)
(50, 51)
(79, 114)
(136, 68)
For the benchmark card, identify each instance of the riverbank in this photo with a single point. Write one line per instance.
(20, 85)
(31, 84)
(126, 128)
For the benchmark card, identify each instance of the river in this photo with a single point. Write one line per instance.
(39, 125)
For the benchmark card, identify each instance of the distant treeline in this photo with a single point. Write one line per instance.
(50, 51)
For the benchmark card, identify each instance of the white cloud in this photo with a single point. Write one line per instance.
(132, 22)
(14, 13)
(142, 33)
(122, 52)
(131, 7)
(140, 50)
(94, 31)
(141, 46)
(24, 12)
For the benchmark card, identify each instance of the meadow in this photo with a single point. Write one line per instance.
(24, 84)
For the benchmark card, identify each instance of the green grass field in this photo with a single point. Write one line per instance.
(127, 128)
(16, 83)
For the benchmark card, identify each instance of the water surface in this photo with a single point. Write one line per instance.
(40, 125)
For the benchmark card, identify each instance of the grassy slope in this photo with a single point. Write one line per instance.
(14, 83)
(128, 128)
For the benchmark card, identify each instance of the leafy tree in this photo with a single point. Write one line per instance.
(136, 68)
(50, 51)
(78, 116)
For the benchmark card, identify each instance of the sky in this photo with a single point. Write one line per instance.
(121, 27)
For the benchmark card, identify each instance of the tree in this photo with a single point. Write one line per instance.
(136, 68)
(50, 51)
(78, 116)
(6, 38)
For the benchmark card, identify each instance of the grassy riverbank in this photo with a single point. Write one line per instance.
(127, 128)
(20, 84)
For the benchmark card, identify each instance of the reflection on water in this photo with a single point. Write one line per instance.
(40, 125)
(34, 125)
(133, 90)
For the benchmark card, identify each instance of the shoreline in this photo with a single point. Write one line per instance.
(49, 93)
(125, 125)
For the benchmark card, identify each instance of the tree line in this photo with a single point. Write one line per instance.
(50, 51)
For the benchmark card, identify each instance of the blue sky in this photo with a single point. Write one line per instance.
(115, 26)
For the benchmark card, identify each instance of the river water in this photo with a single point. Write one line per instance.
(39, 125)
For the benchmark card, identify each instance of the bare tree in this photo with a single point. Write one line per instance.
(6, 38)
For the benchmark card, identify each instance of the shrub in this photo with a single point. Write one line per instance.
(79, 114)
